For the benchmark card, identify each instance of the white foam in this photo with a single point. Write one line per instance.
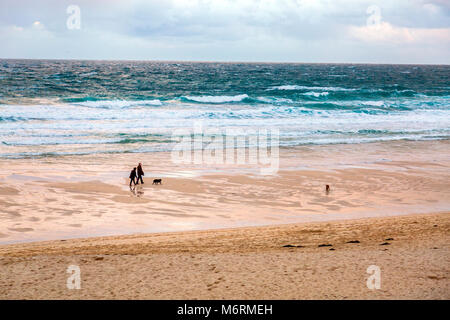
(217, 99)
(274, 100)
(295, 87)
(372, 103)
(88, 74)
(119, 103)
(316, 94)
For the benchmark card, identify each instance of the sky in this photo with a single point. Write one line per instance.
(339, 31)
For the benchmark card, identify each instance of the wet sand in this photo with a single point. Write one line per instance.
(86, 196)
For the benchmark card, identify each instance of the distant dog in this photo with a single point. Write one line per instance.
(157, 181)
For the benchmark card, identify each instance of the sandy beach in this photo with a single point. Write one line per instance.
(275, 262)
(230, 232)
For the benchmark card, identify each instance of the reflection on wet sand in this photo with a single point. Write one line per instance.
(137, 190)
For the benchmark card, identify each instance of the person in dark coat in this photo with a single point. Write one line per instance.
(140, 173)
(133, 176)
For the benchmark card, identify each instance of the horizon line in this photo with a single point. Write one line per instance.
(230, 62)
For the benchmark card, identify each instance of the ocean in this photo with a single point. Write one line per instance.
(57, 107)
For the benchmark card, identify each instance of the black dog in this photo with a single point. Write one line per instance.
(157, 181)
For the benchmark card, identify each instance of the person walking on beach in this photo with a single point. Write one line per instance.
(133, 176)
(140, 173)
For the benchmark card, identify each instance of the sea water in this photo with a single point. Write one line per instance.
(57, 107)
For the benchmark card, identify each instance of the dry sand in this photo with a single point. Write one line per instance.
(242, 263)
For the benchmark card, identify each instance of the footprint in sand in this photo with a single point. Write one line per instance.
(214, 285)
(292, 246)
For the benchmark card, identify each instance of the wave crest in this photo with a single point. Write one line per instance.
(216, 99)
(119, 103)
(315, 94)
(296, 87)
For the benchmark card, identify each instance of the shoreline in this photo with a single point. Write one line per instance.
(322, 260)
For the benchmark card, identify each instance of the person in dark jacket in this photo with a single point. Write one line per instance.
(140, 173)
(133, 176)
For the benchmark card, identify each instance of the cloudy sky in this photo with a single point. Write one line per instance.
(399, 31)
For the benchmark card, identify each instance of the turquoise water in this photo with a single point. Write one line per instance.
(53, 108)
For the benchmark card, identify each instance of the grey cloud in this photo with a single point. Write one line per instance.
(291, 30)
